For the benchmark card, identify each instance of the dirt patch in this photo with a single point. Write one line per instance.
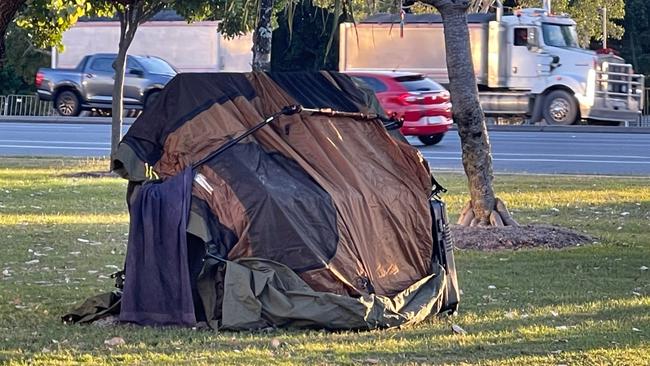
(97, 174)
(516, 237)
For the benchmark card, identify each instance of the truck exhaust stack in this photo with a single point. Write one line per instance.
(547, 6)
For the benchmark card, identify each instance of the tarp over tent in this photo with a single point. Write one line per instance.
(315, 220)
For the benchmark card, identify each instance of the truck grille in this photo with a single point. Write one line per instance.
(618, 81)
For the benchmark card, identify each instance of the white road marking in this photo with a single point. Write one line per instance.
(548, 160)
(56, 147)
(57, 142)
(426, 153)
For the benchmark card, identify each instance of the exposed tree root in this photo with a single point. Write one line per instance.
(498, 217)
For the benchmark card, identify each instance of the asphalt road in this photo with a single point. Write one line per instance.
(513, 152)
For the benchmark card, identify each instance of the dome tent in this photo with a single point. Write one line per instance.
(316, 220)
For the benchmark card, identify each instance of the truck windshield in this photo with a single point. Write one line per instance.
(156, 65)
(558, 35)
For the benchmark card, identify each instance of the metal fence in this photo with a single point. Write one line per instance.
(25, 105)
(31, 105)
(644, 120)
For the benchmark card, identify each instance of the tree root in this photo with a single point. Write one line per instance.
(498, 217)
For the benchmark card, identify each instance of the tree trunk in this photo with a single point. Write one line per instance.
(262, 37)
(484, 207)
(467, 113)
(128, 26)
(8, 10)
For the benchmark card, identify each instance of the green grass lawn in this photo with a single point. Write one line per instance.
(61, 238)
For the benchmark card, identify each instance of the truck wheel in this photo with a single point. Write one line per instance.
(67, 104)
(431, 139)
(151, 99)
(560, 108)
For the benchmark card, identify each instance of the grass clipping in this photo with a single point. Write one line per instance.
(516, 237)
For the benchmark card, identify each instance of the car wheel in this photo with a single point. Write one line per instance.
(67, 104)
(151, 99)
(560, 108)
(431, 139)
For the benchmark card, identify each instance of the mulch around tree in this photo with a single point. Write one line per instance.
(517, 237)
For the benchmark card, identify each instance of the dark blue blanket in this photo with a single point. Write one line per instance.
(157, 289)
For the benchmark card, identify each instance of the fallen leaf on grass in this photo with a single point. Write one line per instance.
(643, 268)
(275, 343)
(371, 361)
(115, 341)
(636, 329)
(458, 330)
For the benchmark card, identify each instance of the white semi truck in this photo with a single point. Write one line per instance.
(526, 64)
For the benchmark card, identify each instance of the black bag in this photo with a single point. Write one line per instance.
(443, 248)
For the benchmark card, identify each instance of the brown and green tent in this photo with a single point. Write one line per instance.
(315, 220)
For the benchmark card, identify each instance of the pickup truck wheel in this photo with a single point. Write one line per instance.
(151, 99)
(431, 139)
(68, 104)
(560, 108)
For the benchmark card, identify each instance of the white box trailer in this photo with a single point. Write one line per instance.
(526, 64)
(193, 47)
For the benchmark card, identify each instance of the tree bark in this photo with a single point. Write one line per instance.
(262, 37)
(128, 25)
(8, 10)
(469, 117)
(467, 112)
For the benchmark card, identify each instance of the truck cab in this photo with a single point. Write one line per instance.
(543, 55)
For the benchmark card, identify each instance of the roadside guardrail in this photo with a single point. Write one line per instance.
(25, 105)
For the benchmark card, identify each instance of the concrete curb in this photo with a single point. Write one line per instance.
(515, 128)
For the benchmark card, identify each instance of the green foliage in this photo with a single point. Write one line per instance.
(586, 14)
(21, 62)
(635, 45)
(301, 39)
(238, 17)
(46, 20)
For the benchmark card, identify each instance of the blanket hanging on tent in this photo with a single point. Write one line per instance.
(157, 287)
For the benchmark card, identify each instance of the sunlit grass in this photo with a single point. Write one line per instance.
(61, 237)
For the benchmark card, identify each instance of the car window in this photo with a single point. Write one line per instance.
(156, 65)
(102, 64)
(375, 84)
(132, 64)
(418, 83)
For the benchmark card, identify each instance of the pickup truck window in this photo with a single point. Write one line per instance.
(156, 65)
(102, 64)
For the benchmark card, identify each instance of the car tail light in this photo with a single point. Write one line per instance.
(39, 79)
(420, 99)
(410, 98)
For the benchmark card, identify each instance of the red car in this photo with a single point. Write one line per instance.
(422, 102)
